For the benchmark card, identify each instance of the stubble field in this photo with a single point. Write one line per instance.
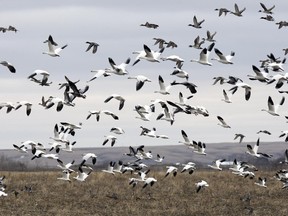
(105, 194)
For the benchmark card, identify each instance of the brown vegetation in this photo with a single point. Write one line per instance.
(104, 194)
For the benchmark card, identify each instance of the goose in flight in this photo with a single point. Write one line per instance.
(110, 168)
(117, 130)
(179, 61)
(200, 185)
(204, 55)
(160, 42)
(88, 156)
(222, 122)
(10, 67)
(93, 46)
(268, 18)
(227, 98)
(186, 141)
(222, 11)
(254, 151)
(159, 159)
(76, 92)
(117, 97)
(261, 182)
(52, 50)
(199, 147)
(71, 127)
(150, 25)
(261, 76)
(284, 133)
(242, 85)
(189, 167)
(240, 136)
(119, 69)
(148, 54)
(81, 175)
(111, 138)
(222, 58)
(101, 72)
(179, 72)
(197, 43)
(265, 9)
(236, 11)
(171, 169)
(264, 131)
(45, 75)
(149, 181)
(140, 81)
(273, 108)
(210, 37)
(24, 103)
(65, 175)
(98, 113)
(67, 166)
(219, 79)
(216, 164)
(196, 24)
(163, 89)
(191, 86)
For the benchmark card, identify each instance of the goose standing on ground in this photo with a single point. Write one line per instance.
(196, 24)
(52, 51)
(222, 122)
(117, 97)
(204, 55)
(273, 108)
(200, 185)
(236, 11)
(10, 67)
(223, 59)
(140, 81)
(93, 46)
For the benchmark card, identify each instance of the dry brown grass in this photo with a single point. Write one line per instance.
(104, 194)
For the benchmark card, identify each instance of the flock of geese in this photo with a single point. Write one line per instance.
(166, 110)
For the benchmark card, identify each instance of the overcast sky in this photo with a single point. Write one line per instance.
(116, 27)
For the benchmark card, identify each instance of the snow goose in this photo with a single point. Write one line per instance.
(227, 98)
(117, 97)
(101, 72)
(148, 54)
(284, 133)
(59, 136)
(143, 115)
(22, 148)
(200, 185)
(261, 76)
(2, 193)
(10, 67)
(254, 151)
(173, 58)
(189, 167)
(87, 156)
(222, 58)
(117, 130)
(236, 11)
(197, 43)
(196, 24)
(261, 182)
(67, 166)
(111, 138)
(210, 37)
(118, 167)
(280, 80)
(37, 153)
(77, 92)
(93, 46)
(71, 127)
(45, 75)
(149, 181)
(50, 156)
(68, 146)
(97, 114)
(186, 141)
(199, 147)
(240, 136)
(219, 79)
(24, 103)
(52, 100)
(166, 115)
(110, 168)
(148, 132)
(179, 72)
(163, 89)
(264, 131)
(222, 122)
(183, 100)
(65, 175)
(52, 51)
(119, 69)
(242, 85)
(222, 11)
(273, 108)
(9, 105)
(191, 86)
(171, 169)
(204, 55)
(140, 81)
(265, 9)
(216, 164)
(82, 175)
(159, 159)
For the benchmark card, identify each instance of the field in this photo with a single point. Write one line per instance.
(105, 194)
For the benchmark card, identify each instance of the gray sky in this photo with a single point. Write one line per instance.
(116, 27)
